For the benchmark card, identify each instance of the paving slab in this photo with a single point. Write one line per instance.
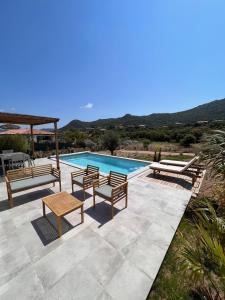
(100, 259)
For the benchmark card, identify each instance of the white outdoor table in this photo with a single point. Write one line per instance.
(8, 156)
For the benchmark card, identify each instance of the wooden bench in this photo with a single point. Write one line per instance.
(28, 178)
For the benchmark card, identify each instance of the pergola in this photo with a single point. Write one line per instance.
(32, 121)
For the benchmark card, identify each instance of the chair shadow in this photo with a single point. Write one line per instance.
(80, 196)
(102, 212)
(46, 228)
(171, 179)
(25, 198)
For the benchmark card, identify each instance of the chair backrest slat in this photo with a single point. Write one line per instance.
(24, 173)
(17, 174)
(92, 169)
(116, 178)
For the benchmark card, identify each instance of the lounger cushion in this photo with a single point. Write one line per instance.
(159, 167)
(174, 162)
(104, 191)
(79, 179)
(32, 182)
(191, 162)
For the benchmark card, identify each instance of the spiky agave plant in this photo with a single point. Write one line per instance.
(204, 260)
(203, 293)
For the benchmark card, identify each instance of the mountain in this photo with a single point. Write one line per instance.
(214, 110)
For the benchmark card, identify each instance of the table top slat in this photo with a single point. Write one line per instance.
(62, 203)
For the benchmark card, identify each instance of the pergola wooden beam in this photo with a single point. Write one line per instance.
(32, 120)
(25, 119)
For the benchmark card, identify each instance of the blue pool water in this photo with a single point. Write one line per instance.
(105, 163)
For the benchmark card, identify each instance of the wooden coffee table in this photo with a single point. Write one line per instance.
(61, 204)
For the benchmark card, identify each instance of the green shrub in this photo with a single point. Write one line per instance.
(18, 143)
(188, 140)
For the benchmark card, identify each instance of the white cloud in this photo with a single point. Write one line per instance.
(13, 108)
(88, 106)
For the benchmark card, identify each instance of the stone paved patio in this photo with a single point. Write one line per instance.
(100, 259)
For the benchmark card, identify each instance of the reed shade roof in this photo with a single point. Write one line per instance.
(25, 119)
(26, 131)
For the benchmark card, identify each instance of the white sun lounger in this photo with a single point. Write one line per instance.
(182, 170)
(178, 162)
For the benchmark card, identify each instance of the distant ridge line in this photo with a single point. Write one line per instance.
(214, 110)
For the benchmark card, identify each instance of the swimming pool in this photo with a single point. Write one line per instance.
(106, 163)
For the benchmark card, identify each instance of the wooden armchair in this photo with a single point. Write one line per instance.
(112, 188)
(84, 178)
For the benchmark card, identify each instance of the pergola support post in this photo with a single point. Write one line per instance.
(32, 140)
(56, 146)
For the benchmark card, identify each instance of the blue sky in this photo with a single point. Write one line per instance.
(90, 59)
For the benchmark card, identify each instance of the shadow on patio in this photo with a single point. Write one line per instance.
(177, 181)
(102, 212)
(25, 198)
(46, 228)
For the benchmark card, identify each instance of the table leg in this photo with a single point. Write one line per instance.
(44, 213)
(82, 214)
(59, 225)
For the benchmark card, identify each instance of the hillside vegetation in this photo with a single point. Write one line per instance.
(214, 110)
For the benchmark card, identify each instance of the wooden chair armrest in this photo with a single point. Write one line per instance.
(120, 188)
(78, 173)
(90, 178)
(92, 175)
(101, 181)
(56, 172)
(7, 181)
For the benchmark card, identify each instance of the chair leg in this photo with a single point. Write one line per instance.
(82, 214)
(72, 188)
(193, 180)
(112, 208)
(43, 206)
(84, 195)
(60, 186)
(126, 200)
(10, 200)
(94, 199)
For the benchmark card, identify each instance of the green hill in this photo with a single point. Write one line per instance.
(214, 110)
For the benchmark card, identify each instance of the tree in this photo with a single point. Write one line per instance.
(188, 140)
(110, 141)
(18, 143)
(146, 144)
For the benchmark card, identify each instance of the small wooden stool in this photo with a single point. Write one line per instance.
(62, 204)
